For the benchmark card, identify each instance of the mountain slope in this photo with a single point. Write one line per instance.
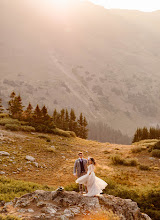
(104, 63)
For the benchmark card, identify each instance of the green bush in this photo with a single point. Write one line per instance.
(24, 123)
(9, 188)
(72, 187)
(4, 121)
(4, 115)
(60, 132)
(144, 167)
(27, 128)
(156, 153)
(72, 133)
(13, 127)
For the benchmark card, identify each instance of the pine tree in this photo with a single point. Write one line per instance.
(145, 133)
(66, 126)
(11, 104)
(80, 126)
(28, 112)
(72, 122)
(15, 106)
(152, 133)
(55, 116)
(62, 119)
(85, 130)
(1, 107)
(137, 135)
(18, 107)
(44, 113)
(37, 115)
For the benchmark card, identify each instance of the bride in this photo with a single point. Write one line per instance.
(94, 184)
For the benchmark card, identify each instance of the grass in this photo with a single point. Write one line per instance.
(60, 132)
(9, 188)
(45, 137)
(101, 215)
(156, 153)
(56, 168)
(4, 121)
(4, 115)
(9, 217)
(118, 160)
(137, 149)
(144, 167)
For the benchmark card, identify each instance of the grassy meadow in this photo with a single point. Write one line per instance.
(131, 171)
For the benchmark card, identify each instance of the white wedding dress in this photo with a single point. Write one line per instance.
(94, 184)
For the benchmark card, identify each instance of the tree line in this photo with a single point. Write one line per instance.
(145, 133)
(102, 132)
(42, 121)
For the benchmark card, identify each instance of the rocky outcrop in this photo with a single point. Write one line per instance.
(65, 205)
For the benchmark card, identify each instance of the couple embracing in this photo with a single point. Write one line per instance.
(84, 170)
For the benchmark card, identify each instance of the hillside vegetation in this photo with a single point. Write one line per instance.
(54, 161)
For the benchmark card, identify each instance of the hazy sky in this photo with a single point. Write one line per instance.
(143, 5)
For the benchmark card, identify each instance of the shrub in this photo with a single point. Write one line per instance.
(45, 137)
(106, 152)
(130, 162)
(12, 127)
(72, 133)
(144, 167)
(156, 153)
(9, 188)
(117, 160)
(24, 122)
(4, 115)
(4, 121)
(72, 187)
(157, 145)
(136, 149)
(60, 132)
(27, 128)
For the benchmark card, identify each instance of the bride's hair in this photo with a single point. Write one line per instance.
(93, 160)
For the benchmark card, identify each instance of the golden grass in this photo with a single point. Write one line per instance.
(56, 166)
(101, 215)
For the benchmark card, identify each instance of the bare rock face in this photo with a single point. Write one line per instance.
(69, 205)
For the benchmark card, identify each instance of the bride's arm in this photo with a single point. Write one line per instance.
(90, 169)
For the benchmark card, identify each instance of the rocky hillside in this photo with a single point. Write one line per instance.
(71, 205)
(102, 62)
(130, 170)
(49, 159)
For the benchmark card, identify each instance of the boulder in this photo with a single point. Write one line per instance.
(3, 153)
(30, 158)
(64, 205)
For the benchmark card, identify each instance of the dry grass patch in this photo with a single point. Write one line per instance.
(9, 217)
(101, 215)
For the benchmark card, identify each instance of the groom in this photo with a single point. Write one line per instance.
(80, 169)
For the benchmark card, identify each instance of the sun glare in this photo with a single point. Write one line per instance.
(59, 3)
